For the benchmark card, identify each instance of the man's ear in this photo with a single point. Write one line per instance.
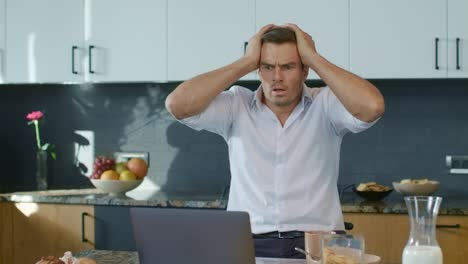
(259, 74)
(305, 71)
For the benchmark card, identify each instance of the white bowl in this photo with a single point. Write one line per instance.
(416, 189)
(371, 259)
(115, 187)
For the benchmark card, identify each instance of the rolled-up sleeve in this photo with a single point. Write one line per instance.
(342, 120)
(217, 117)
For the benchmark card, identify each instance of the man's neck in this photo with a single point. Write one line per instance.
(282, 112)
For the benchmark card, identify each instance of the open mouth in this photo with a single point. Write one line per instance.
(278, 91)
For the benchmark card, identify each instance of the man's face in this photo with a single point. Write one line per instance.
(281, 74)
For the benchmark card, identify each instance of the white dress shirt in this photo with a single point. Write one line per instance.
(285, 177)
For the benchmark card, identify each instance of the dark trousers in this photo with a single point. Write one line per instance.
(267, 247)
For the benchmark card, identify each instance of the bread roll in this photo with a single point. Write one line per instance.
(85, 261)
(50, 260)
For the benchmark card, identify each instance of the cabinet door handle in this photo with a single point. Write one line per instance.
(73, 59)
(458, 53)
(436, 53)
(348, 226)
(448, 226)
(83, 238)
(90, 55)
(245, 46)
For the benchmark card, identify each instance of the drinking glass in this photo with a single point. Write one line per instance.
(342, 249)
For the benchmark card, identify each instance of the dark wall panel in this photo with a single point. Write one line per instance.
(424, 121)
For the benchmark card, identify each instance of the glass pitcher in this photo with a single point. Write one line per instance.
(422, 246)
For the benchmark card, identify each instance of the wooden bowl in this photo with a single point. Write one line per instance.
(372, 195)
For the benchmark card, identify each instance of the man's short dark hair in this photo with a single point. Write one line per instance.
(279, 35)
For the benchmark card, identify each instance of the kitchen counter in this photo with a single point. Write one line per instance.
(134, 198)
(110, 257)
(351, 203)
(129, 257)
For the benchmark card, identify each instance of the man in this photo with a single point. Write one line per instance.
(284, 139)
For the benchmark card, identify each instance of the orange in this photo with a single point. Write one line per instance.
(109, 175)
(127, 175)
(138, 166)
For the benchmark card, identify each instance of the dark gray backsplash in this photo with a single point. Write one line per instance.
(424, 121)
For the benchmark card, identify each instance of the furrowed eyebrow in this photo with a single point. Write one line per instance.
(288, 64)
(266, 64)
(281, 65)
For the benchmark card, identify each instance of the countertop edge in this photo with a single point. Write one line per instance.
(456, 206)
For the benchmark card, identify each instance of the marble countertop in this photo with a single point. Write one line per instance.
(351, 203)
(128, 257)
(140, 197)
(110, 257)
(395, 204)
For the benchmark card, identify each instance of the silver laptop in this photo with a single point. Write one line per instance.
(198, 236)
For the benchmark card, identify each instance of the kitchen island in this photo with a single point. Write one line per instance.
(93, 220)
(127, 257)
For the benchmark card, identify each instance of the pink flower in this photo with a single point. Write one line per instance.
(35, 115)
(34, 118)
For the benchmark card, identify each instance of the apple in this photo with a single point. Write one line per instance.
(109, 175)
(127, 175)
(120, 166)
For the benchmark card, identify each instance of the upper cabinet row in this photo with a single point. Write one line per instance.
(409, 39)
(173, 40)
(204, 35)
(2, 41)
(85, 40)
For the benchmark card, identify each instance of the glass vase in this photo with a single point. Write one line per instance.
(41, 170)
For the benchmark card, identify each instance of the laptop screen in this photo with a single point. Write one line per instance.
(168, 235)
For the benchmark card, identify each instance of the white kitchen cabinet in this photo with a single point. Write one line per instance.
(325, 20)
(40, 39)
(2, 40)
(85, 40)
(126, 40)
(457, 29)
(207, 34)
(408, 39)
(397, 39)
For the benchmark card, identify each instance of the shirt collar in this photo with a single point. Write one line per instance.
(257, 99)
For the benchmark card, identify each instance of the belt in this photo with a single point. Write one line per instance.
(276, 234)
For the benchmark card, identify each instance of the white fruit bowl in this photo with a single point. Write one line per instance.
(115, 187)
(371, 259)
(416, 189)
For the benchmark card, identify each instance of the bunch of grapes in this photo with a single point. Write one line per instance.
(101, 164)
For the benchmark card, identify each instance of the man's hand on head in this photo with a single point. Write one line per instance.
(254, 47)
(305, 45)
